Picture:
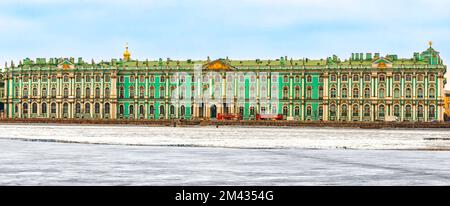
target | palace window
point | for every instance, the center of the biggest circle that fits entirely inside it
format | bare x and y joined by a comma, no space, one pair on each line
141,110
274,78
408,78
308,111
132,79
131,110
162,79
285,111
65,108
344,93
344,111
366,110
320,110
121,110
77,78
131,92
308,92
53,92
285,92
297,78
25,108
355,93
408,111
152,110
381,78
381,111
252,79
53,108
161,110
397,110
35,79
408,93
333,77
320,92
367,92
107,108
77,92
141,92
152,78
97,92
25,93
107,78
107,92
142,79
172,110
333,92
420,93
309,79
355,110
367,77
77,108
432,78
152,92
420,111
66,92
344,78
25,79
66,78
252,111
97,108
397,78
355,78
87,78
43,79
35,92
34,108
396,93
333,110
87,108
121,92
285,79
88,93
162,92
321,79
121,79
381,93
431,111
97,78
297,111
297,92
419,77
44,108
431,93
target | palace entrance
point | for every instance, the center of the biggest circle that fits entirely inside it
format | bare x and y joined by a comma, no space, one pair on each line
213,111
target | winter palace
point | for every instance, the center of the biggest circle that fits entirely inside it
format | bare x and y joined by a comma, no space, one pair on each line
364,87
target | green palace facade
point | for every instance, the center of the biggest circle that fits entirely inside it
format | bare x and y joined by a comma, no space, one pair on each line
365,87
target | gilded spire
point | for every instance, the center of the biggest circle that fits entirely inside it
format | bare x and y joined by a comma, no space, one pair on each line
126,54
430,43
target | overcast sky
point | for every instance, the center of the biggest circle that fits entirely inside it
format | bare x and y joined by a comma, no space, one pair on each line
240,29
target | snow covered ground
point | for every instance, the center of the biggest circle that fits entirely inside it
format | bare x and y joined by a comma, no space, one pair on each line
109,155
236,137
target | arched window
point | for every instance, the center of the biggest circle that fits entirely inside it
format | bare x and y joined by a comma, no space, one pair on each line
35,92
366,110
396,93
121,92
162,92
77,108
344,78
97,108
344,93
44,108
44,92
25,108
141,92
25,93
355,110
121,79
355,78
381,78
53,108
131,92
308,111
65,108
66,78
53,92
107,109
78,92
420,111
34,108
408,93
397,110
333,77
152,92
87,108
431,93
431,111
367,92
308,92
172,110
333,92
97,92
332,110
432,78
183,110
88,93
344,111
367,78
121,110
381,93
107,78
285,78
131,110
355,93
419,77
381,111
152,110
252,110
285,92
408,111
88,78
131,79
308,78
66,92
107,92
141,110
161,110
320,110
297,111
97,78
419,93
320,92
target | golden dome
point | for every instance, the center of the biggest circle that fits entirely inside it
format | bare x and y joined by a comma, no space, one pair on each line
126,54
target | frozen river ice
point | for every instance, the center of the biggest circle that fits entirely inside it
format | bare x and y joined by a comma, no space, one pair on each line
220,156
